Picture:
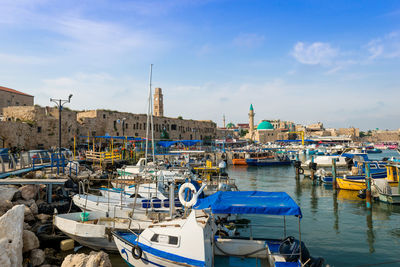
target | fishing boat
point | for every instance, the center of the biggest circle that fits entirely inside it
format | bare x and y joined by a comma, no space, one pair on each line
268,160
350,184
391,175
197,240
386,192
377,173
239,158
93,229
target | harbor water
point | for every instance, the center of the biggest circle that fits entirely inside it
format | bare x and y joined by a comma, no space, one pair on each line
337,227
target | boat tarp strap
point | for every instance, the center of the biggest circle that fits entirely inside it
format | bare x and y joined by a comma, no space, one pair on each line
184,142
250,202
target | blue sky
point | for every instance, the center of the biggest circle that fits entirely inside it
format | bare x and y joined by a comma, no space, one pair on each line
337,62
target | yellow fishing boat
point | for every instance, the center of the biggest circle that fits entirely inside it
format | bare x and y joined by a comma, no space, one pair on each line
350,184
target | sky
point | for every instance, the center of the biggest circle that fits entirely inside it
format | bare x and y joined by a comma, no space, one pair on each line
336,62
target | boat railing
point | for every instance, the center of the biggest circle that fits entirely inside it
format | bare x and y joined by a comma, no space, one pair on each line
250,227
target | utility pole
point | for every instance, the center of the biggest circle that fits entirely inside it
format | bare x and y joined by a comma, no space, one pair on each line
60,103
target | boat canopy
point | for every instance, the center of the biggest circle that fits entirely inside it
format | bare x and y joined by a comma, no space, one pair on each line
352,155
250,202
184,142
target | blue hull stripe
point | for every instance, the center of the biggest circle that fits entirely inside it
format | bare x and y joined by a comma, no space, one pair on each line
159,253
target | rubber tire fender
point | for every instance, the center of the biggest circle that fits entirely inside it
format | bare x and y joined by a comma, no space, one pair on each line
301,170
137,252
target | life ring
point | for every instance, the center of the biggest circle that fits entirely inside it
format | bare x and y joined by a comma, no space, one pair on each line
137,252
181,195
183,164
301,170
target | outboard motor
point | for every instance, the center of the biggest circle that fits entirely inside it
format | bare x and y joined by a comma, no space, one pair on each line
297,164
290,250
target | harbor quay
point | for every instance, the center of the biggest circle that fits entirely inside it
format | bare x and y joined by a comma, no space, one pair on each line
117,188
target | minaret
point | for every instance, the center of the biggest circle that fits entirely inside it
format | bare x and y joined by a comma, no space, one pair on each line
251,119
223,120
158,103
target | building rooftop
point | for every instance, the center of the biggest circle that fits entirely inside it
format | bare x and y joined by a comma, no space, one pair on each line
2,88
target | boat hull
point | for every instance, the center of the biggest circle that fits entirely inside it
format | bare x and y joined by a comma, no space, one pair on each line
239,162
259,162
380,175
347,184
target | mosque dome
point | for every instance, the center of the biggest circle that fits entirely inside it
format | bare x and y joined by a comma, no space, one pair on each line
230,125
265,125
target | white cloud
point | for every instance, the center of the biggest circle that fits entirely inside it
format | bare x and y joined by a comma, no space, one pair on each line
387,46
249,40
314,54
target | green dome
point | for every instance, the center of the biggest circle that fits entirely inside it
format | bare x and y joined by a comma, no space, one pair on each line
265,125
230,125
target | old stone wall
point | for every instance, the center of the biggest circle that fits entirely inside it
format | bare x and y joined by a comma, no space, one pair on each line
37,127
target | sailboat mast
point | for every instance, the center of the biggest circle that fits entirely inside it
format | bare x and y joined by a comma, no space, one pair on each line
149,111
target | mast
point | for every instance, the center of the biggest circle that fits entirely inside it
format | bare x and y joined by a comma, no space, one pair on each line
149,111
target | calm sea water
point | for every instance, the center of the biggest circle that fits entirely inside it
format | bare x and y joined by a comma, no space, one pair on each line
337,227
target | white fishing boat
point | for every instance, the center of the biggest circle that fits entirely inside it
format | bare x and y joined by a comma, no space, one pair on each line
93,229
197,240
385,192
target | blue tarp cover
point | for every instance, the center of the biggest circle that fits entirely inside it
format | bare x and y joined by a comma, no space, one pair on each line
293,141
184,142
129,138
250,202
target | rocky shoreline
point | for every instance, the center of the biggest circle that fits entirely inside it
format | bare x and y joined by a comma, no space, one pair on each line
27,235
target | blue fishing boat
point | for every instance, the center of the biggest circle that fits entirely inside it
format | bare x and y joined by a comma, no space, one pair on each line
199,239
269,161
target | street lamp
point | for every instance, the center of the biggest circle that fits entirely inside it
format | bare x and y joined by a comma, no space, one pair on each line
60,103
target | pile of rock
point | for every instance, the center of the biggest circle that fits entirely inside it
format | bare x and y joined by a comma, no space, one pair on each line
19,245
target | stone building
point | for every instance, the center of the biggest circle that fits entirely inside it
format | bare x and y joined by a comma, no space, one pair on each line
10,97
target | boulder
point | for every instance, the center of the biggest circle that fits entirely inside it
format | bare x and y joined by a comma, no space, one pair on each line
28,215
30,241
29,191
36,257
34,208
4,257
24,202
7,193
52,257
94,259
99,259
11,232
43,217
27,226
5,205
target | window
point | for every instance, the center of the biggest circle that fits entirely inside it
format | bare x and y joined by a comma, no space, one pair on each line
39,129
126,125
173,127
372,166
117,133
104,116
136,134
165,239
381,166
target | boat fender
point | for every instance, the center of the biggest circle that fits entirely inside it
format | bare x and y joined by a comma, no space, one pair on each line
301,170
181,195
136,252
